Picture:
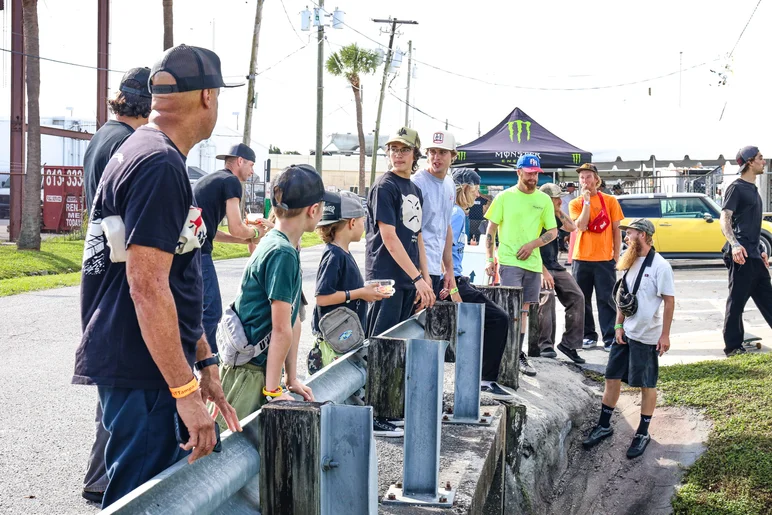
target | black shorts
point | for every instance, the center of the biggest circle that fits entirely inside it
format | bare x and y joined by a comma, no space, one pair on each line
636,364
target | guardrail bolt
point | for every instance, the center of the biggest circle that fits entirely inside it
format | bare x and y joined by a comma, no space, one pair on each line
482,421
450,411
447,485
487,414
443,498
392,497
445,417
399,484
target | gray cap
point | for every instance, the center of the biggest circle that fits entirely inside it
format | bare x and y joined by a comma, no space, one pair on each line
640,224
343,206
553,190
744,155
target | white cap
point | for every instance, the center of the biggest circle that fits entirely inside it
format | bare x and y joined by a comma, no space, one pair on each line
443,139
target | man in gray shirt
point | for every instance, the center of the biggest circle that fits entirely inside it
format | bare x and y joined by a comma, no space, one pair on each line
439,193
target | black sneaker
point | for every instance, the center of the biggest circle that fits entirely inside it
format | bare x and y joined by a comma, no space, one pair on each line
638,446
549,352
571,353
736,352
525,366
496,391
597,434
95,497
385,428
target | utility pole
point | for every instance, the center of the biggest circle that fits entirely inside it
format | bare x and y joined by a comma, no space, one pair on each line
680,70
394,22
252,71
319,86
478,129
446,124
409,73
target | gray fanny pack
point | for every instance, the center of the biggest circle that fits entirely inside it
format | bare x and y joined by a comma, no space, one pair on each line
342,330
233,347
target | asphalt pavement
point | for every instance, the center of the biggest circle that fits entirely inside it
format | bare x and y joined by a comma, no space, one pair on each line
49,424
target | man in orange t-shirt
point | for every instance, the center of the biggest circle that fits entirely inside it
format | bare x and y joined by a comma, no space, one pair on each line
596,252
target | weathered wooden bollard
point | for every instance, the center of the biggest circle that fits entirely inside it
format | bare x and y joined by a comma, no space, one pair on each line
441,322
317,459
533,331
510,300
385,386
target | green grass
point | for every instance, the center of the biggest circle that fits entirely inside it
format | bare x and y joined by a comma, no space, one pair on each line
734,476
59,261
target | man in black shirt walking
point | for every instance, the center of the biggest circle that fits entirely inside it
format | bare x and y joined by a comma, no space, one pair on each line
131,107
744,255
218,195
555,277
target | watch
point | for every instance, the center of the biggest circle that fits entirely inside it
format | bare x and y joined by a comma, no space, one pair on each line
586,202
200,365
348,296
418,278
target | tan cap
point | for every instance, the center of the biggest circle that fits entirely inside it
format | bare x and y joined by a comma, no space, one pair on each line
407,136
444,140
553,190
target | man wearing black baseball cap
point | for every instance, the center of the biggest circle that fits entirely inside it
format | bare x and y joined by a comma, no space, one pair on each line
744,254
131,107
141,293
218,195
268,303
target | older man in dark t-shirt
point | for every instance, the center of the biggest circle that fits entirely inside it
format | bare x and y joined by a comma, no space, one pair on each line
218,195
141,291
744,254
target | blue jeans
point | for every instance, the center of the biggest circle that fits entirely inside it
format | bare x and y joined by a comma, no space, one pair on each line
142,442
212,300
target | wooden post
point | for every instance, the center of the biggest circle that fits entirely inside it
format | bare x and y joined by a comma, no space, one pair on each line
533,330
290,444
385,387
441,322
509,298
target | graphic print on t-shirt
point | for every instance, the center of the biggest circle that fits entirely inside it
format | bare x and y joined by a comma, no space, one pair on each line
411,212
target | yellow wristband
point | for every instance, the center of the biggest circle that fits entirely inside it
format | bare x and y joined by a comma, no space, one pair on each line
275,393
454,291
185,390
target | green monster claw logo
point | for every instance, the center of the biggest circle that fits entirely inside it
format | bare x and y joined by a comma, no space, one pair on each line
462,155
511,126
577,158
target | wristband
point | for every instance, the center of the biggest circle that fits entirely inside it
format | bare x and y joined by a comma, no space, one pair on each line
257,234
586,203
200,365
348,296
418,278
273,393
491,260
619,326
185,390
454,291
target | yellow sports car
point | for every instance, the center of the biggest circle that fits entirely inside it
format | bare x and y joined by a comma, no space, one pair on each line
687,224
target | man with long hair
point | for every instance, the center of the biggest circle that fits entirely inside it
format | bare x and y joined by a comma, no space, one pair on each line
642,332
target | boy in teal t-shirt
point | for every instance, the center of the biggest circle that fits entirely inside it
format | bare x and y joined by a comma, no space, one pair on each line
518,216
269,301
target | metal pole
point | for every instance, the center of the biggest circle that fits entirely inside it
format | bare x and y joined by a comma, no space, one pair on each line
18,103
680,70
252,70
380,104
409,73
319,87
103,59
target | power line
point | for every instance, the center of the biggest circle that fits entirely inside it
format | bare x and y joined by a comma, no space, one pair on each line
290,22
392,93
743,31
61,62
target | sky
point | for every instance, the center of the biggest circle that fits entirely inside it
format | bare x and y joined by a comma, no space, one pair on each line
475,62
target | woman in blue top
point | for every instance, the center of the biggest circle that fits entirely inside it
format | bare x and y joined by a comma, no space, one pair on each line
496,319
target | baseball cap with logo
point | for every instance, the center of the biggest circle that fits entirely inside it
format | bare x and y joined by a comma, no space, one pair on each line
529,163
587,166
135,81
406,136
444,140
744,155
640,224
193,68
301,186
346,205
239,150
553,190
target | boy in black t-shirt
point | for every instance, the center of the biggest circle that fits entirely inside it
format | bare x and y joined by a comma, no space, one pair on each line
395,247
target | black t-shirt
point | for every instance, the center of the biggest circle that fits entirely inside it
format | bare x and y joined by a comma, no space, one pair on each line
212,192
395,201
100,149
338,271
146,187
549,252
743,200
476,211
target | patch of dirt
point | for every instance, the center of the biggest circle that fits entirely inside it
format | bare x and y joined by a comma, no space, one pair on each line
603,481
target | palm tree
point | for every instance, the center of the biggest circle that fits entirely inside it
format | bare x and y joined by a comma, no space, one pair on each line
351,61
168,24
29,236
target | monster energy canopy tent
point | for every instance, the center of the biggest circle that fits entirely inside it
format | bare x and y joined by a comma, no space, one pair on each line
516,135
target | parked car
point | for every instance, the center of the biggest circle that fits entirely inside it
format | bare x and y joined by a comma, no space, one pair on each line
687,224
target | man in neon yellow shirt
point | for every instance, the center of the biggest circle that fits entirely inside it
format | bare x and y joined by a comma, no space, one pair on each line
518,215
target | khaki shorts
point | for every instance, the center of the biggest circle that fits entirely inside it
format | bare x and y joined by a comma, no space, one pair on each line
243,387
